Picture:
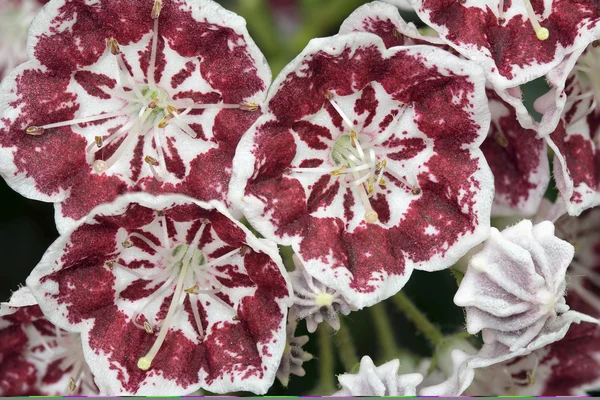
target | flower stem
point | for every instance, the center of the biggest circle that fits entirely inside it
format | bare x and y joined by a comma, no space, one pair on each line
411,311
347,351
326,385
387,345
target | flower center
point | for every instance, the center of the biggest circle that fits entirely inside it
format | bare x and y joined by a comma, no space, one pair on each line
188,272
324,299
147,108
359,164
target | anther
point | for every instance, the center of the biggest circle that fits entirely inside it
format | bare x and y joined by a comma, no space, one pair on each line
153,103
371,216
100,166
339,171
156,9
248,106
380,164
165,121
540,32
596,43
501,139
382,181
127,244
192,290
34,130
113,46
370,187
160,213
328,95
98,140
150,160
244,250
148,327
397,34
416,191
172,110
354,137
110,265
72,385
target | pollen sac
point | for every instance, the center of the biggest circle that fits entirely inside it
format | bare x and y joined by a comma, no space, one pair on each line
314,301
514,288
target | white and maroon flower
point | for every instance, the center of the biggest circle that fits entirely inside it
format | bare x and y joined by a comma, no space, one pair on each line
367,163
314,301
170,295
15,19
514,292
125,96
385,21
518,161
515,41
36,357
576,140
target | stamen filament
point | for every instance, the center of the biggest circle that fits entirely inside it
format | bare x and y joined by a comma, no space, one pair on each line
77,121
152,67
341,113
145,362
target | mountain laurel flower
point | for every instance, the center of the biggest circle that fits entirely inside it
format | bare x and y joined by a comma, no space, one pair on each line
36,357
121,96
15,19
293,354
515,41
367,162
514,292
378,381
315,302
170,295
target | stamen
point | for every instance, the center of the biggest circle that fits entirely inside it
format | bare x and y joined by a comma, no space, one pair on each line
72,385
165,121
126,244
155,14
152,163
156,9
38,130
113,46
148,327
340,112
248,106
540,32
500,138
98,140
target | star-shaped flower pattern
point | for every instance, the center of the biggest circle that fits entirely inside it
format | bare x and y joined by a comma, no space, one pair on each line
169,295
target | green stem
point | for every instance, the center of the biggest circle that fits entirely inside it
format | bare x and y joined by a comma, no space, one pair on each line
326,385
347,351
385,336
418,318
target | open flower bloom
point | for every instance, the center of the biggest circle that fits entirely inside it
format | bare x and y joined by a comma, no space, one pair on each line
170,295
378,381
316,302
515,41
15,19
367,163
36,357
518,161
385,21
576,140
142,95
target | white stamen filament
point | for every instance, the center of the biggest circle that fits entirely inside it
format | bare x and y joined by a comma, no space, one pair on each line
540,32
341,113
152,66
85,119
197,318
204,106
